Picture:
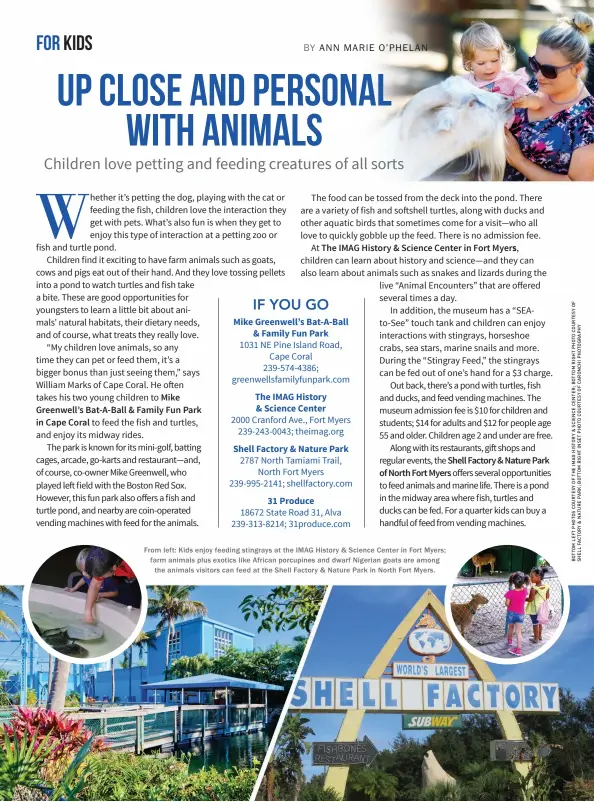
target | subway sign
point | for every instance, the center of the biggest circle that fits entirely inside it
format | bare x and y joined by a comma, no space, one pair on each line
333,694
424,722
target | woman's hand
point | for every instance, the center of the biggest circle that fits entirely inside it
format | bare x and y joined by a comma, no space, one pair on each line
513,152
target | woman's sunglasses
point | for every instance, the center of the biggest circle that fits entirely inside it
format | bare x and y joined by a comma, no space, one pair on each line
546,70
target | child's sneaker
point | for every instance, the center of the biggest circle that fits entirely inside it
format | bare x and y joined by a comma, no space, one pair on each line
517,652
510,643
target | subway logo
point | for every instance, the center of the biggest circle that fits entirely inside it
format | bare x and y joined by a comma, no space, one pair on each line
431,722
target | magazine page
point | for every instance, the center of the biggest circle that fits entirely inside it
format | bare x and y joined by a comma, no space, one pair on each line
295,329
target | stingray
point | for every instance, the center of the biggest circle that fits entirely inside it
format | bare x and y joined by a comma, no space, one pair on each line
58,639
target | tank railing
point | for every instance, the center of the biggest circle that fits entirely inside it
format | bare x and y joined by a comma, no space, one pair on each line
155,726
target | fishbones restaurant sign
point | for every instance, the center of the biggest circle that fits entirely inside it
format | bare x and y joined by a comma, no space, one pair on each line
327,694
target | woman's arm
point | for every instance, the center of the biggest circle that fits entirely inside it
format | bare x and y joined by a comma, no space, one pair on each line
581,167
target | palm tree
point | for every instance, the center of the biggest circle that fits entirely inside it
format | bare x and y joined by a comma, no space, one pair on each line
6,621
171,603
142,640
56,699
375,784
113,681
290,750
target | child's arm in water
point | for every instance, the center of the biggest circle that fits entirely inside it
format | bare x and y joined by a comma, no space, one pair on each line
92,595
78,585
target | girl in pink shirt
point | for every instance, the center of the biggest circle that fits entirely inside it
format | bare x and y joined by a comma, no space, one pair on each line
483,56
515,601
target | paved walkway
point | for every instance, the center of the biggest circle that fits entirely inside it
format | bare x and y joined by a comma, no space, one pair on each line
499,648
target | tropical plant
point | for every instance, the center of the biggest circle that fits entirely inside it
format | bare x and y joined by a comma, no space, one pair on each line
56,699
20,763
314,791
72,699
537,783
285,607
64,737
5,620
287,763
172,602
442,791
4,697
118,776
375,784
277,664
31,697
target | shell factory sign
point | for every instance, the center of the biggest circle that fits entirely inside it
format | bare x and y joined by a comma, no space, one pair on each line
425,686
335,694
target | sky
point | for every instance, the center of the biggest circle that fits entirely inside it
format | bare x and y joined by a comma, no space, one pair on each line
222,604
357,621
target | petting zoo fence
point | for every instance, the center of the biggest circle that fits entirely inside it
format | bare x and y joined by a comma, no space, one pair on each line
488,625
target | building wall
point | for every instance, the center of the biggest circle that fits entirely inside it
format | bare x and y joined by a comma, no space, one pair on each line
196,636
103,684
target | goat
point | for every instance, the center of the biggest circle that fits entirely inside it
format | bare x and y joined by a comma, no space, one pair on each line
465,612
451,131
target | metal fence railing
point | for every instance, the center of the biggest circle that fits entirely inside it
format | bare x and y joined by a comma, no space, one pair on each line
488,625
140,728
159,725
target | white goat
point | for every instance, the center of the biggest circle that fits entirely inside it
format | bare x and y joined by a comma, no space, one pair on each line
451,131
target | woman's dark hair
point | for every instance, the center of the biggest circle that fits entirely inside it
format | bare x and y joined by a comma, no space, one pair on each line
518,580
539,571
101,561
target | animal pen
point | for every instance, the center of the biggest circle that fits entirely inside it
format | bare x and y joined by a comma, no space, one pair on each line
488,624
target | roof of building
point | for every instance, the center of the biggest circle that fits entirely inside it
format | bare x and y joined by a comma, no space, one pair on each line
208,620
211,681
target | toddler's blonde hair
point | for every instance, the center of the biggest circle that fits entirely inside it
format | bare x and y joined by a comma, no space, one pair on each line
482,36
81,559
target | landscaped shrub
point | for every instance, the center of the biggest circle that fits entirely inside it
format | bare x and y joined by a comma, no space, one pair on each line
117,776
65,737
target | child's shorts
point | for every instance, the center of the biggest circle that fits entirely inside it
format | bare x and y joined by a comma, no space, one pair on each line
514,618
534,618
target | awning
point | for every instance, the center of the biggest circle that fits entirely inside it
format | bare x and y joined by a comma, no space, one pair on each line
208,682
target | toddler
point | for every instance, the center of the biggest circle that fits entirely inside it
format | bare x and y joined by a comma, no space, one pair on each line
483,56
515,599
